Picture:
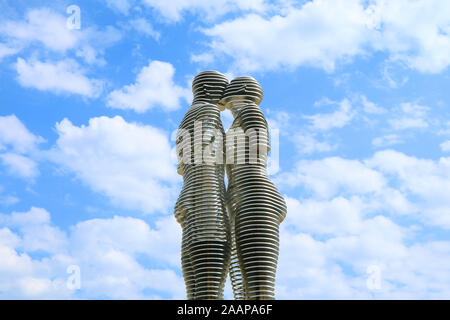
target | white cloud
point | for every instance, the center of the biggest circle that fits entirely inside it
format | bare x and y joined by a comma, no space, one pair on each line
17,143
93,43
43,26
300,37
370,107
8,238
128,162
13,263
173,10
8,200
337,216
37,287
19,165
35,216
389,182
64,76
123,6
337,119
314,33
415,32
154,86
335,266
410,116
330,176
145,27
425,179
14,134
308,144
107,251
387,140
204,58
445,146
349,223
392,76
6,51
129,235
36,230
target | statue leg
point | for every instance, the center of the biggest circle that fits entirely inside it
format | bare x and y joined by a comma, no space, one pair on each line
210,260
257,243
237,281
188,270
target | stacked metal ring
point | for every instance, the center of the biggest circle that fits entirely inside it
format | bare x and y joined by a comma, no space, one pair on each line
237,280
200,208
256,207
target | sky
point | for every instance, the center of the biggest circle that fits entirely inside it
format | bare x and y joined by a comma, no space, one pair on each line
357,97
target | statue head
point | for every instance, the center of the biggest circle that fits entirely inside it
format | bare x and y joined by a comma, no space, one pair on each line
208,86
241,88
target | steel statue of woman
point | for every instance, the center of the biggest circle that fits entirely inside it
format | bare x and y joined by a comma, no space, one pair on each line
256,208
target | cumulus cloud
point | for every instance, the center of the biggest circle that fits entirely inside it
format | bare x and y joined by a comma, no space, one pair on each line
154,86
106,251
330,176
14,134
36,230
336,119
109,250
129,163
415,32
19,165
426,180
21,235
338,267
64,76
44,26
346,225
17,143
410,116
336,216
389,182
300,37
316,34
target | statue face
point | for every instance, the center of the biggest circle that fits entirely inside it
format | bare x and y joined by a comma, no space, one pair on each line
209,86
242,88
212,91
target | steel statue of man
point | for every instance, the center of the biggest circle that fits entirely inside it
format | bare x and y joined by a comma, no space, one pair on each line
200,208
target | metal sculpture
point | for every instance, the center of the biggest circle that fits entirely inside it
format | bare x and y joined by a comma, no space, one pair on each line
200,208
246,241
255,206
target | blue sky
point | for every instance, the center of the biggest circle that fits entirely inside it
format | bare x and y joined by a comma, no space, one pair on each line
358,91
